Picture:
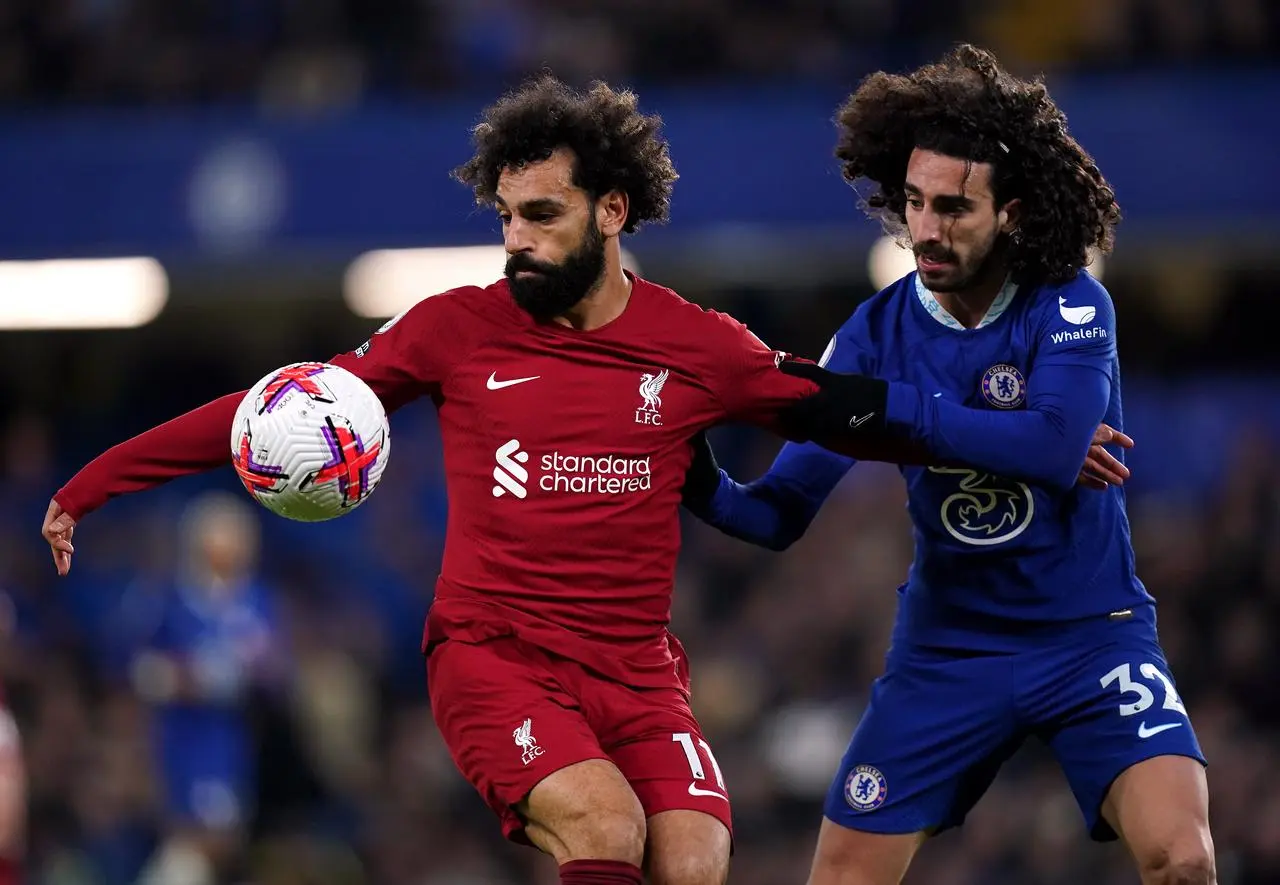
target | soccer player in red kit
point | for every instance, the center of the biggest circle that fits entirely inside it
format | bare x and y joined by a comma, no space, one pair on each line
567,394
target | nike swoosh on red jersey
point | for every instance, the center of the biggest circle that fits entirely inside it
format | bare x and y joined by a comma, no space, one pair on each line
494,384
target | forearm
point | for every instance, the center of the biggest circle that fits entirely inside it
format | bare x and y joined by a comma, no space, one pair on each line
740,512
775,510
881,447
197,441
1045,443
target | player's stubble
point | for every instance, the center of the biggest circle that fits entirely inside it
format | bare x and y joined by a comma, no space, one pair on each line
550,290
966,271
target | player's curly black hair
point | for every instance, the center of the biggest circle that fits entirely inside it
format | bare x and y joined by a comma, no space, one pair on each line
616,146
966,106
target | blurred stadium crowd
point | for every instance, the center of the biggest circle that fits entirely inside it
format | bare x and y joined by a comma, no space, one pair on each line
295,746
308,53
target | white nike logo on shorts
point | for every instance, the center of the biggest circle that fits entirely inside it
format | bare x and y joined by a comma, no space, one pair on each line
695,790
1144,732
494,384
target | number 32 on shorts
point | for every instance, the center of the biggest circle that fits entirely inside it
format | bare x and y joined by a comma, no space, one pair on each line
686,742
1144,697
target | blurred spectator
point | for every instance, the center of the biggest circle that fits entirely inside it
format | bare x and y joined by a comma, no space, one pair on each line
214,643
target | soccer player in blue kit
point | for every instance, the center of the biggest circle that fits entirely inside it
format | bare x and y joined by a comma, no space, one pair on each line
995,361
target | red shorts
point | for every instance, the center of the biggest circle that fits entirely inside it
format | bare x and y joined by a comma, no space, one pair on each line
512,714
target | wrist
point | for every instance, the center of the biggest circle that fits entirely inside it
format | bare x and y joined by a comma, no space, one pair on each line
903,405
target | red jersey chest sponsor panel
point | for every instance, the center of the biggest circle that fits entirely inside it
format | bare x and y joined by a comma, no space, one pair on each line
565,455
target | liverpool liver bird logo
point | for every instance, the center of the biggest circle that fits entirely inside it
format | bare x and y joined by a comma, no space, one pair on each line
651,392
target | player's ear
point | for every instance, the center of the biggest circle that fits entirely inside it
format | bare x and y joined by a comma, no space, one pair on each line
611,213
1009,215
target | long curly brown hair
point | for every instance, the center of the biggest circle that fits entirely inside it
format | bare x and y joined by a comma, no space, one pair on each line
966,106
615,146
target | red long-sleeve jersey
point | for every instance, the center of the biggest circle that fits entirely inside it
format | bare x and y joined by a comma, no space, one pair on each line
564,454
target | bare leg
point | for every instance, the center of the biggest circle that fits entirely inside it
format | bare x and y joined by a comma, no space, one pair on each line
586,811
854,857
1160,808
687,848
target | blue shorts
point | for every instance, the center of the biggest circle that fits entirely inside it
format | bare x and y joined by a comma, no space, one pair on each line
208,780
941,722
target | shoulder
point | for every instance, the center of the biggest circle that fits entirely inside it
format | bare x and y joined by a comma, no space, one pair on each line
1072,319
667,304
1079,301
466,305
862,329
889,301
448,321
695,324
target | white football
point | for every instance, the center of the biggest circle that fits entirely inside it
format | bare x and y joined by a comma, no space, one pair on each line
310,441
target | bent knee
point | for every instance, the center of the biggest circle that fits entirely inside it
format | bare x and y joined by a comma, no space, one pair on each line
1188,864
585,812
613,834
598,834
584,833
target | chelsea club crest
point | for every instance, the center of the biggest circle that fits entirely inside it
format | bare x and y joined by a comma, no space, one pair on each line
865,789
1004,387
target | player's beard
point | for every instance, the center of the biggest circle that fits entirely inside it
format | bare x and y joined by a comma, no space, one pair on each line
963,275
553,289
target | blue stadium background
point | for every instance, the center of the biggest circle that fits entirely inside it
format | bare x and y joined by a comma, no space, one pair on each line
256,147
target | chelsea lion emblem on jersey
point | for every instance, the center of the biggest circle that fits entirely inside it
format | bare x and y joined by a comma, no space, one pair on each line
865,789
1004,387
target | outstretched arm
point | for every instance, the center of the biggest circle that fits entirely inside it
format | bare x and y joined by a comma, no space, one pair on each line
1046,443
1056,442
1068,392
196,441
397,367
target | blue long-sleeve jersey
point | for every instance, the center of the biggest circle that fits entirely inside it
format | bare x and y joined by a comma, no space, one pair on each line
1007,542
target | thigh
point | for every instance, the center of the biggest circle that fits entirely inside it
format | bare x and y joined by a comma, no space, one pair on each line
852,857
585,811
1106,705
934,734
1160,808
657,744
507,720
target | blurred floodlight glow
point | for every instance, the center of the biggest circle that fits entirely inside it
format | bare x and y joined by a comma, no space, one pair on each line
887,262
385,282
81,293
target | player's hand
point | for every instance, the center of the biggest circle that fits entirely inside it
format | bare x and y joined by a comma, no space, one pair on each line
703,477
1101,468
844,404
58,529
